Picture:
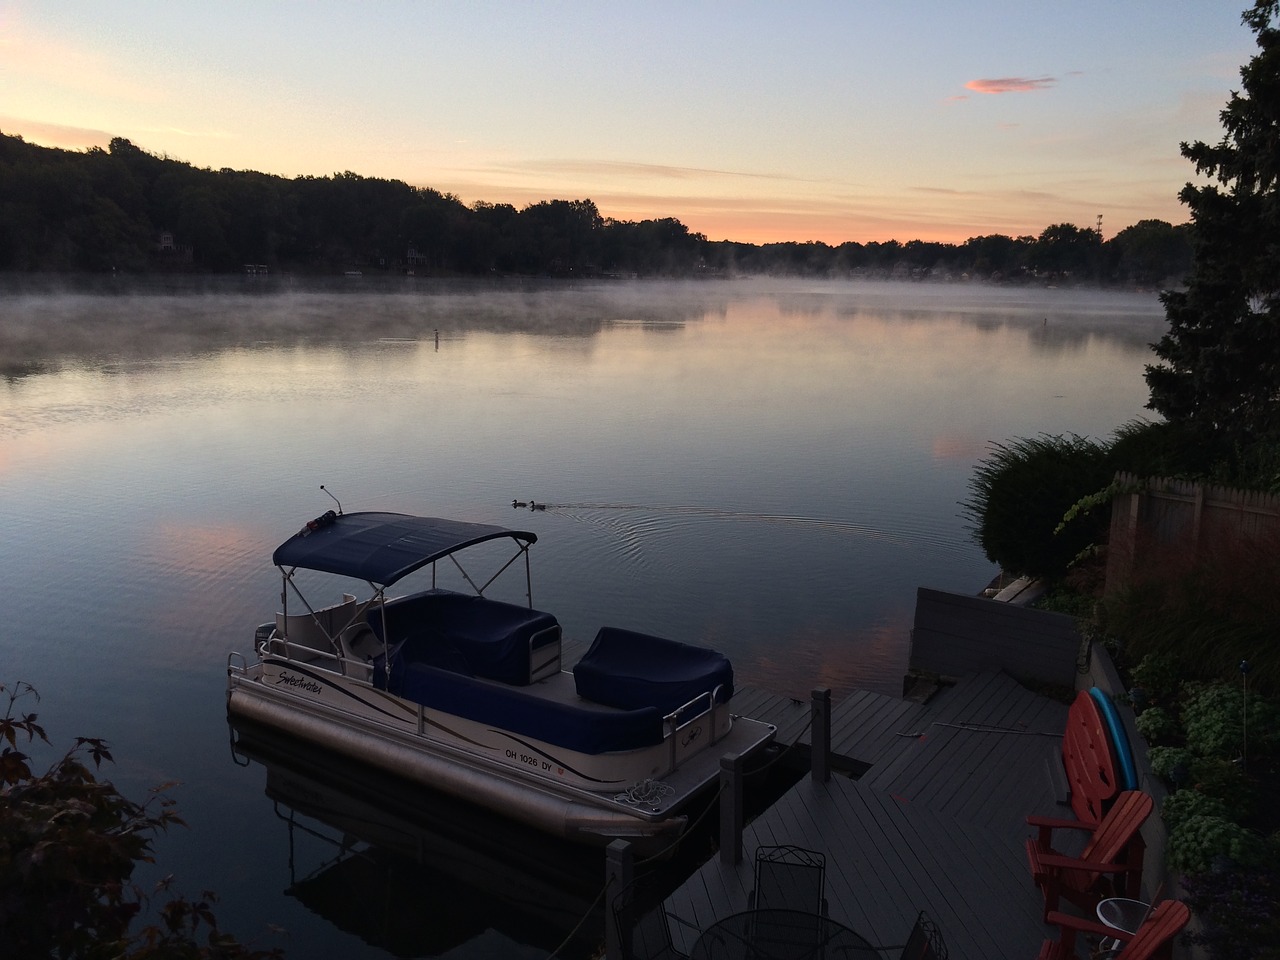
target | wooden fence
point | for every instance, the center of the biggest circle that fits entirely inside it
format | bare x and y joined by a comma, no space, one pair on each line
1159,514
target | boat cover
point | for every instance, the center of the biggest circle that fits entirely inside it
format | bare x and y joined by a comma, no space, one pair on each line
383,547
627,670
467,634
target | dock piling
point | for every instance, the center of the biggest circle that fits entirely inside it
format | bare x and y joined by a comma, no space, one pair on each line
820,755
619,871
731,807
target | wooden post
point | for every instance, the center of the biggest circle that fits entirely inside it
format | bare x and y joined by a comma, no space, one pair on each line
1123,547
619,871
820,738
1197,517
731,809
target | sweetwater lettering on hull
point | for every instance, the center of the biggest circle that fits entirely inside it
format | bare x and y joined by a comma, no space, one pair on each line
469,696
301,682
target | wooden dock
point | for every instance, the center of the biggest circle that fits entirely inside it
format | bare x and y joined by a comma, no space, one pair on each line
934,822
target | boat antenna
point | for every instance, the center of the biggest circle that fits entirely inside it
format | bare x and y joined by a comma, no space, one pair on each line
334,499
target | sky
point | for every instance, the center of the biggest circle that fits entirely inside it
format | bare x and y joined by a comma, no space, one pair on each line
859,120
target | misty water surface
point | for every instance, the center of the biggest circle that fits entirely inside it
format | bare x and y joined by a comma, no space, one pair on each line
771,468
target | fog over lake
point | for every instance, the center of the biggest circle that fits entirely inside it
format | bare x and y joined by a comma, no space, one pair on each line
769,467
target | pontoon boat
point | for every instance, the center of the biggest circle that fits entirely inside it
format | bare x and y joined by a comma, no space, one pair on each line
468,694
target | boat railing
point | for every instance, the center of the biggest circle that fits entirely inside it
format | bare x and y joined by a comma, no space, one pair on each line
292,650
673,723
318,629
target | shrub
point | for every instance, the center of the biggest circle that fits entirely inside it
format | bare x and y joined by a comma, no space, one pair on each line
1154,448
1171,764
1201,842
1157,725
1206,609
68,846
1215,722
1228,782
1159,676
1022,491
1181,804
1238,912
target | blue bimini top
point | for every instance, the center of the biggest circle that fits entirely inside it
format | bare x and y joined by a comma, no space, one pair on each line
383,547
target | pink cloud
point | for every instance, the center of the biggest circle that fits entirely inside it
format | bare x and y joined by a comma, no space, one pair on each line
1010,84
55,134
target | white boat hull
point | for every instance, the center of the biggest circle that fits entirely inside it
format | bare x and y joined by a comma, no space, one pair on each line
579,798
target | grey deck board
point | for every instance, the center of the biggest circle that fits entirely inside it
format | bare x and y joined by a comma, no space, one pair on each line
865,726
937,822
885,861
789,715
983,755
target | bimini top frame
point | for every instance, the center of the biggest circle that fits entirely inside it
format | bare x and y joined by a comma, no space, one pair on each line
381,548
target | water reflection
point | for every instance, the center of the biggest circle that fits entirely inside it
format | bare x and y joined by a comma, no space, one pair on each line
415,874
68,321
770,468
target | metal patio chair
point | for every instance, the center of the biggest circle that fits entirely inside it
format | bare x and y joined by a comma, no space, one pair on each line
925,941
789,878
644,930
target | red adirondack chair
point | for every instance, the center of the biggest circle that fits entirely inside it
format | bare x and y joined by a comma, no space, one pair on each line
1088,760
1152,941
1110,864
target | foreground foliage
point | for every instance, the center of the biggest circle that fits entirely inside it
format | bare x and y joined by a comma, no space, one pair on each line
69,843
1217,747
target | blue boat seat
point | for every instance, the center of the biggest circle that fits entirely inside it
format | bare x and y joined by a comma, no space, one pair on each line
471,635
628,670
584,727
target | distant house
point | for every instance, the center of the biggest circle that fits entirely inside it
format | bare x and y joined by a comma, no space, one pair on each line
168,248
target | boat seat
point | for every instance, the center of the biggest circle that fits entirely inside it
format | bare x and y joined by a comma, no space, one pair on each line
316,631
473,635
628,670
584,727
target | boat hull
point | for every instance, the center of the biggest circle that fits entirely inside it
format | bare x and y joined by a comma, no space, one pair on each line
514,778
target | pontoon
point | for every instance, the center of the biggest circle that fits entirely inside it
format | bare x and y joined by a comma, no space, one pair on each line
469,695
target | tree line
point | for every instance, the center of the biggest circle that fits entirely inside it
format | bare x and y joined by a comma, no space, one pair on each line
123,209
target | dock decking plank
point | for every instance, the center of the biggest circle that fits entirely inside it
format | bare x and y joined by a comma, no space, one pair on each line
885,861
937,823
789,715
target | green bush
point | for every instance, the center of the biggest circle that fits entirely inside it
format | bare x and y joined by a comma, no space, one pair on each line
1022,491
1227,781
1160,677
1215,724
1157,725
1201,842
1171,764
1182,804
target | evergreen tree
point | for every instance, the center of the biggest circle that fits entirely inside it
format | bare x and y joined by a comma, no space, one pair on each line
1220,369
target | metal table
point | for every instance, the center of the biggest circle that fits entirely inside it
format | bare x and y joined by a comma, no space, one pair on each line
780,935
1121,913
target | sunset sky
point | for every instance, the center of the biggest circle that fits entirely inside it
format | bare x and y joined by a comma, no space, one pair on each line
756,122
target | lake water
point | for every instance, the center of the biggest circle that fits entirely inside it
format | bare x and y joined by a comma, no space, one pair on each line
768,467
